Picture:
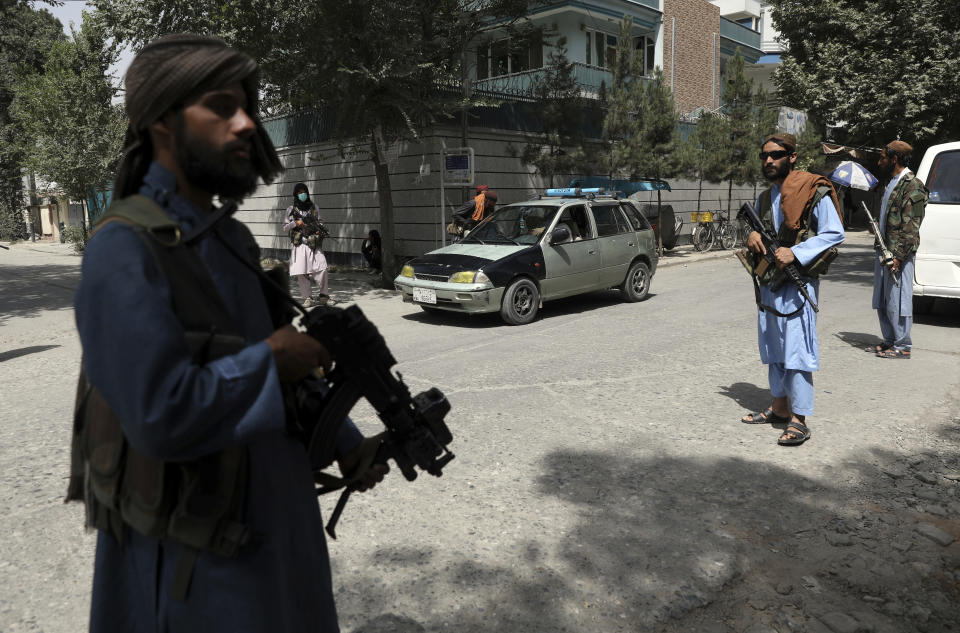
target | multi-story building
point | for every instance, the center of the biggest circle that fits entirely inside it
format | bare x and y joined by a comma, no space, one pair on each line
691,40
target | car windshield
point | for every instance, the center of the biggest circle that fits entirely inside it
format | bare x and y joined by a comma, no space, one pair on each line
515,224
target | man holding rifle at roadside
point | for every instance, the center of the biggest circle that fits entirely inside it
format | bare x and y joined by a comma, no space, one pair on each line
901,212
800,212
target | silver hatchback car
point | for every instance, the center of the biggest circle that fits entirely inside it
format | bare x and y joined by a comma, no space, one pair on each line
564,243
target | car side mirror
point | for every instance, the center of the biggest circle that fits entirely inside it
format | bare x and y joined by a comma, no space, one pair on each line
560,234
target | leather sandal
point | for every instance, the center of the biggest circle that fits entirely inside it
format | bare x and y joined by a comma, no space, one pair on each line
894,353
767,416
876,349
800,432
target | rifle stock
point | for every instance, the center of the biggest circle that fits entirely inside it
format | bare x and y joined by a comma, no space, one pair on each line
771,244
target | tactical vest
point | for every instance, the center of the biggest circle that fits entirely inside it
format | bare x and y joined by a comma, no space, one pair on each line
198,503
770,275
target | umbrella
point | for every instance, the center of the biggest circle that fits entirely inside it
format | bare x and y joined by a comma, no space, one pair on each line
852,174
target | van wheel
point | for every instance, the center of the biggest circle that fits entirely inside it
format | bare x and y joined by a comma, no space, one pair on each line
923,305
521,300
636,286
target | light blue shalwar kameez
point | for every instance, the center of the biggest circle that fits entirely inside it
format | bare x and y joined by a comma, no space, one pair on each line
788,345
894,304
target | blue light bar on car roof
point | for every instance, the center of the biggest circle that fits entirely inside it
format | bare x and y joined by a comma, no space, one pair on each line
574,192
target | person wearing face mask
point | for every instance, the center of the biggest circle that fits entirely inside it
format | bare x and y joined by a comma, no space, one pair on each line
307,262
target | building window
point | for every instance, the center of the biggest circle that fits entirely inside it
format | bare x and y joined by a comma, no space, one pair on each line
505,57
750,23
602,50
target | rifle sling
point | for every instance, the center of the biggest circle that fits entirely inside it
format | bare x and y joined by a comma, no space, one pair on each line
765,308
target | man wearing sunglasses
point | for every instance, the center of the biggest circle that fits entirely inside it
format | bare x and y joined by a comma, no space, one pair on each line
901,212
801,209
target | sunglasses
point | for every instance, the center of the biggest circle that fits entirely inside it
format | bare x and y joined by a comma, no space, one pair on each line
775,155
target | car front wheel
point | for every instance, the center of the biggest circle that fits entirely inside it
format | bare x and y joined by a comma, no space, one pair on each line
637,283
521,300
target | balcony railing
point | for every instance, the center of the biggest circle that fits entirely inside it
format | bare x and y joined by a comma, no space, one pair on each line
521,84
739,34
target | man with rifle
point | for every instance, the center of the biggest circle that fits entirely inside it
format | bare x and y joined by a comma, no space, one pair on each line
799,227
901,213
184,451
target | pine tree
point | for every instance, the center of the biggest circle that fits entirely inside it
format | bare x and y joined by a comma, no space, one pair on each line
740,122
702,155
557,149
656,155
623,121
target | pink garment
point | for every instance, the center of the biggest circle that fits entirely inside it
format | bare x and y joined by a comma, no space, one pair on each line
304,261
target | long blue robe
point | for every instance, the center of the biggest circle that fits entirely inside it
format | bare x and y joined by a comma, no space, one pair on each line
792,341
135,353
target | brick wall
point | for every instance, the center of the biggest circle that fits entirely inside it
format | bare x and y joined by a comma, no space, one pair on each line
696,23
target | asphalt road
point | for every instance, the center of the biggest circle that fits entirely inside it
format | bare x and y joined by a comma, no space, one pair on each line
602,479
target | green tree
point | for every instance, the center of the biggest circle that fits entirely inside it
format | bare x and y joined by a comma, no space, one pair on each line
72,133
26,35
656,154
881,68
702,156
741,128
623,120
384,70
810,156
556,149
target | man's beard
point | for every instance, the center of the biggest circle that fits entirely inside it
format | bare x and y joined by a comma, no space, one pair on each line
885,171
778,173
216,171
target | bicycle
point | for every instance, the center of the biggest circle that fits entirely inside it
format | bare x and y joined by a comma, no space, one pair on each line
703,233
712,226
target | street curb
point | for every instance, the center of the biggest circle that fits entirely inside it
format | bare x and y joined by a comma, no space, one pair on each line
675,258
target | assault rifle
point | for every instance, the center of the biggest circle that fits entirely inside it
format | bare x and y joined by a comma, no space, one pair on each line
311,223
883,253
416,435
771,244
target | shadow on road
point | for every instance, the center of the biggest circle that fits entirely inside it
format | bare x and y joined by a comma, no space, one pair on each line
666,544
747,395
578,304
28,291
24,351
859,339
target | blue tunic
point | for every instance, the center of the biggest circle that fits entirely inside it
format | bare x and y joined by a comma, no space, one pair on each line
792,341
135,353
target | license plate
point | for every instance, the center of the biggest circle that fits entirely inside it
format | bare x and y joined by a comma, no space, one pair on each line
424,295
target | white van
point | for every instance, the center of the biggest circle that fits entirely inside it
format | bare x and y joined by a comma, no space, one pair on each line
937,272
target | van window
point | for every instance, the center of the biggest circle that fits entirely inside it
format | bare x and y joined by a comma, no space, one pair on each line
943,183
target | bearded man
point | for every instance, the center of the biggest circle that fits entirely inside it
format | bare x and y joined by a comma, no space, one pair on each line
204,501
901,213
801,209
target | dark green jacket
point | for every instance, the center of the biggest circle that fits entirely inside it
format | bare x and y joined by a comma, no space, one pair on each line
905,210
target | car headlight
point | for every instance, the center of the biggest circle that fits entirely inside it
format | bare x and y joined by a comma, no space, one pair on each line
469,277
463,277
407,271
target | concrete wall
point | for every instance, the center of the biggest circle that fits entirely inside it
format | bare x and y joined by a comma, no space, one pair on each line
697,25
344,189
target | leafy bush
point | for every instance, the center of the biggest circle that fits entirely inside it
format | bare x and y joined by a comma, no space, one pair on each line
77,236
